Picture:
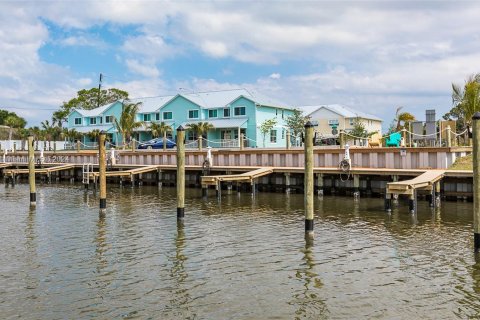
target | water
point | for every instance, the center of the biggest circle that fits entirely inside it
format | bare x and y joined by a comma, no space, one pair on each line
244,258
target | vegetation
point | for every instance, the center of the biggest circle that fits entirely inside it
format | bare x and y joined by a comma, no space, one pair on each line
466,101
266,126
127,122
159,129
463,163
200,129
296,123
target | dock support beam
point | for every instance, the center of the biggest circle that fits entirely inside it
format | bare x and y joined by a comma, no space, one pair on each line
204,191
31,172
476,181
308,180
159,178
412,202
388,202
180,173
287,182
102,172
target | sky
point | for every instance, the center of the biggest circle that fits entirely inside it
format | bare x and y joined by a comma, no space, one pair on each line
373,56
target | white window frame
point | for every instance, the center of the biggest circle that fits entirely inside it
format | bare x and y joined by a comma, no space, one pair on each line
333,122
273,136
157,116
75,121
216,110
163,115
93,120
147,115
198,114
108,117
229,113
239,107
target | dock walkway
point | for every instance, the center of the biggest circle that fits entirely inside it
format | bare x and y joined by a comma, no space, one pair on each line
249,176
425,181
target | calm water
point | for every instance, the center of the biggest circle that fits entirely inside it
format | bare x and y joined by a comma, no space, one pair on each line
243,258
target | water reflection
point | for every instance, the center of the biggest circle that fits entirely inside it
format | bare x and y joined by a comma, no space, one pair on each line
307,300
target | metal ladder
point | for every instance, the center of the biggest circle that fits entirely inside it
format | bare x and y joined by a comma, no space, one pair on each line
87,170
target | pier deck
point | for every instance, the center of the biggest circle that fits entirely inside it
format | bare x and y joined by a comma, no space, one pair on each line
47,171
425,181
242,177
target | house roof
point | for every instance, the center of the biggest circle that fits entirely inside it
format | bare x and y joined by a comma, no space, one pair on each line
209,99
221,123
342,110
94,112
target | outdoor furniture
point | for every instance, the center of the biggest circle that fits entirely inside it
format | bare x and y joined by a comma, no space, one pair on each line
393,140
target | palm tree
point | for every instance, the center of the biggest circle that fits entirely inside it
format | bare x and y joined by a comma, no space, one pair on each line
159,129
404,119
127,122
467,100
201,129
35,131
48,132
13,123
93,134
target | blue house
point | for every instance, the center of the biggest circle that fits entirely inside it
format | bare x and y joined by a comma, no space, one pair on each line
231,112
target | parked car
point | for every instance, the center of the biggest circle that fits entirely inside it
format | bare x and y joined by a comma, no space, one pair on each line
156,143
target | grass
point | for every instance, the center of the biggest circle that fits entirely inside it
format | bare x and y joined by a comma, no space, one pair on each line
463,163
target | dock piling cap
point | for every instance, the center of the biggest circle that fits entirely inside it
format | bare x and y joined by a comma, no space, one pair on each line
476,116
308,124
180,128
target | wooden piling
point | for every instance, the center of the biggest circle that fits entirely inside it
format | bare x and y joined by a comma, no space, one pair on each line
288,138
388,202
449,137
412,202
200,143
320,184
241,141
342,139
308,179
476,181
180,172
356,186
102,165
31,171
287,182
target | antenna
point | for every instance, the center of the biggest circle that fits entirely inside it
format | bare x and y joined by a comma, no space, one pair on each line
99,89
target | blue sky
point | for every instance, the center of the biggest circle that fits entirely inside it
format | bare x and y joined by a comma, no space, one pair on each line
370,55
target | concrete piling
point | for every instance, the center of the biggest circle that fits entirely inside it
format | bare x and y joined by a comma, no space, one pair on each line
180,172
476,181
31,172
102,167
308,180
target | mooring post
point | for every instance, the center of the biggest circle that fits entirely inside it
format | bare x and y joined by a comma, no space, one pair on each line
342,139
102,168
159,178
200,142
78,145
241,141
31,172
476,181
438,195
180,173
218,190
320,184
287,182
412,202
288,138
433,197
308,180
449,137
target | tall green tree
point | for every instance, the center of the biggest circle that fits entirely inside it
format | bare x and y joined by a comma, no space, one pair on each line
128,122
14,123
266,126
296,123
403,120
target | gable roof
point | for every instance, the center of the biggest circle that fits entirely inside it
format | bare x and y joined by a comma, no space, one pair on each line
342,110
93,112
208,99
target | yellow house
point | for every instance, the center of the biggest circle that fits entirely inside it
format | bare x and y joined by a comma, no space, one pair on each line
340,117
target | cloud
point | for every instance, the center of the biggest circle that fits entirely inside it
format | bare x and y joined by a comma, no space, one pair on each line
275,76
146,70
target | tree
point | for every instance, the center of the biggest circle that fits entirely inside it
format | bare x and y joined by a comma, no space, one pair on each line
93,134
47,132
296,123
4,114
89,99
200,129
466,101
14,122
403,120
359,130
159,129
266,126
127,122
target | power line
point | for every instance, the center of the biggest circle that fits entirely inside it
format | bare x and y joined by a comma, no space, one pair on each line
21,108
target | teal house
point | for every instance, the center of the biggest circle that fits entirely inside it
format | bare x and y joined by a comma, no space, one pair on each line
230,112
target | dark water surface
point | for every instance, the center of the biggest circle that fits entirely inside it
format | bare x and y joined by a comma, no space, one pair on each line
243,258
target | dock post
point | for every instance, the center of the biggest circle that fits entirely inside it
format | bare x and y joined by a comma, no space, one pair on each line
356,186
320,184
229,187
218,190
437,192
288,138
476,181
180,173
31,171
254,187
287,182
342,139
412,202
388,202
204,191
200,142
433,196
240,142
14,147
78,145
159,178
102,168
308,180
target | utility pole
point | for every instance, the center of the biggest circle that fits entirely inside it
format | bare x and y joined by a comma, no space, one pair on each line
99,89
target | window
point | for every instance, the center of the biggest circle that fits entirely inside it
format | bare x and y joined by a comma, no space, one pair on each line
157,116
282,113
239,111
146,117
273,136
191,135
333,122
226,112
78,121
93,120
193,114
167,115
351,121
212,113
108,119
101,120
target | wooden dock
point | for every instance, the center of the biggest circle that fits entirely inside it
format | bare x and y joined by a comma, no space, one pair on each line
48,170
425,181
248,176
